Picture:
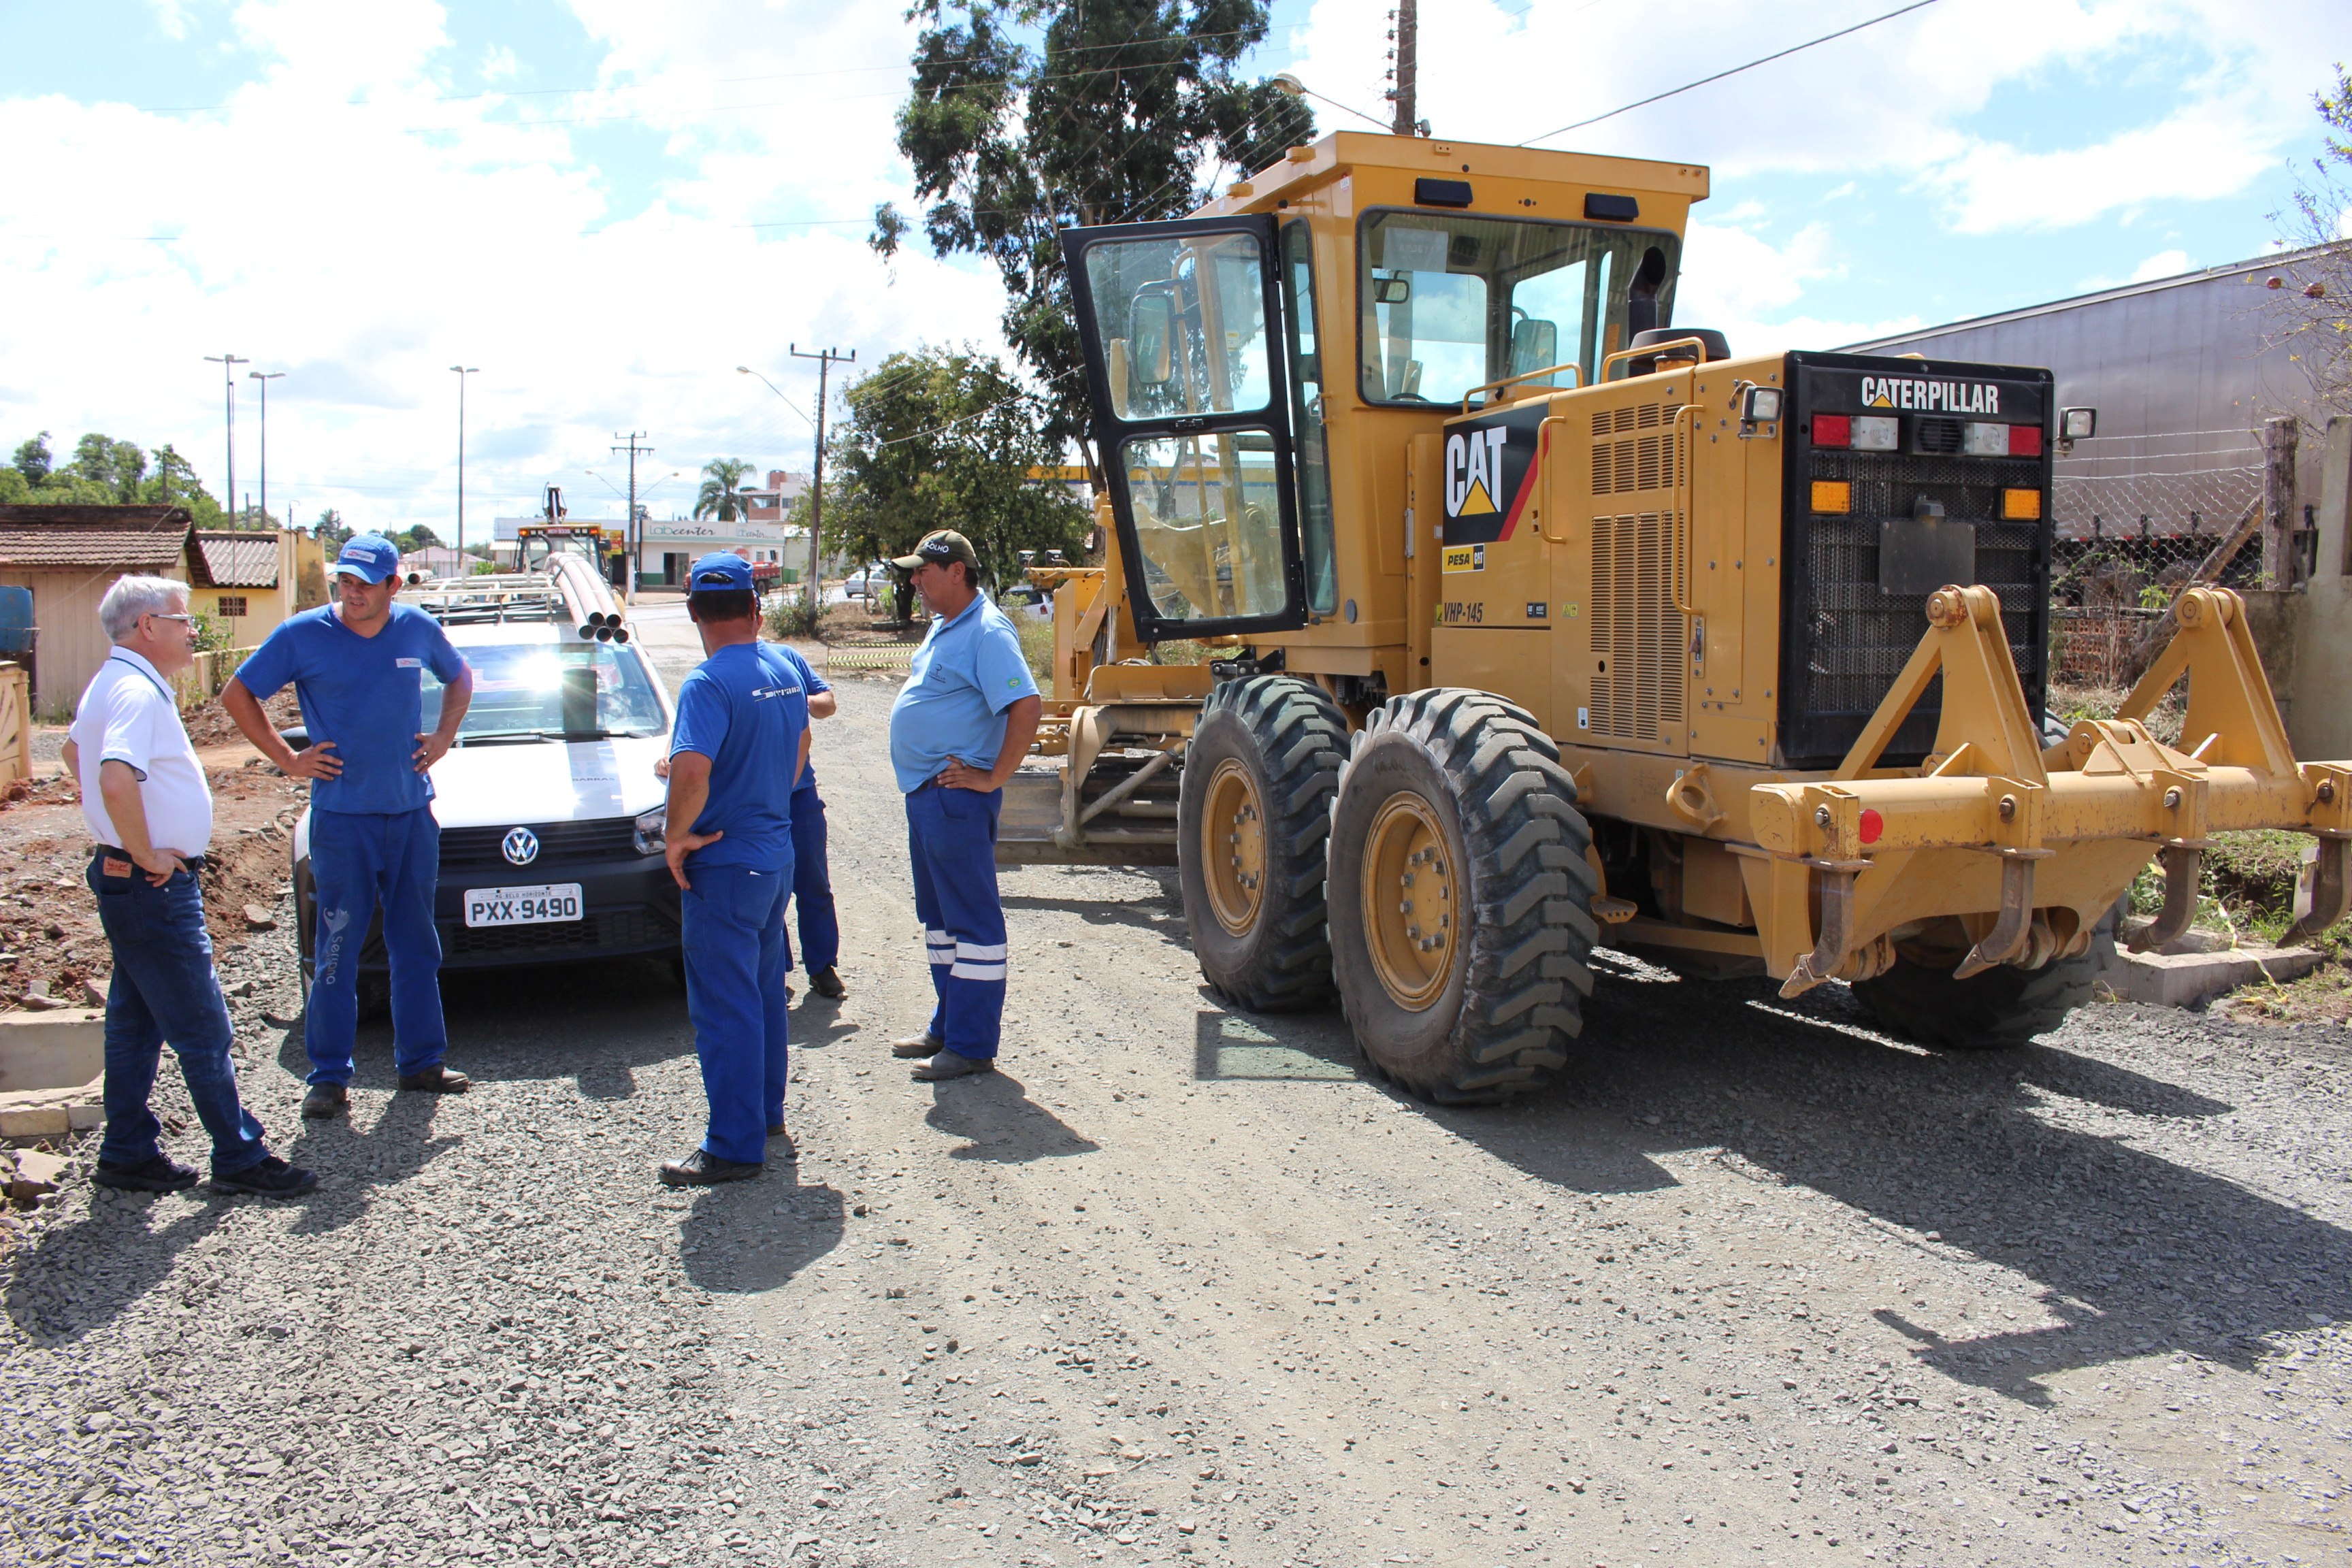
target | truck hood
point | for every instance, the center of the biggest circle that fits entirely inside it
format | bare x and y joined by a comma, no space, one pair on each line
546,781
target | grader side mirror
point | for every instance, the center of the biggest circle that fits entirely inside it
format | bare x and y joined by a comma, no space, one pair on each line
1151,332
1535,343
1391,291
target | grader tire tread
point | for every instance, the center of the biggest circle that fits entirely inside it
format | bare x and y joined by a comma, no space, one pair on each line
1531,947
2002,1009
1302,737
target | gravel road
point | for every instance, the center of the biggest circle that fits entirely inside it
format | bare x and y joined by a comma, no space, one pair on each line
1752,1284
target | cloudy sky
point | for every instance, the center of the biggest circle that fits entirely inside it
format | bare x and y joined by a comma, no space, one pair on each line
608,205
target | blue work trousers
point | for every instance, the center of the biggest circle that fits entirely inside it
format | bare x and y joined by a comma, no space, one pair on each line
812,886
735,964
952,842
361,861
165,989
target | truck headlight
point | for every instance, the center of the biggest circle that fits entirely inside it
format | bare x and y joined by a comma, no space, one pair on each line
651,825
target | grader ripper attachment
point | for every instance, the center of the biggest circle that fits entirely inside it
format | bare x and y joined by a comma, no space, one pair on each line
1531,614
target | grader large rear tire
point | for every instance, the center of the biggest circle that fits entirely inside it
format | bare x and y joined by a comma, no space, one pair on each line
1461,918
1253,814
1997,1010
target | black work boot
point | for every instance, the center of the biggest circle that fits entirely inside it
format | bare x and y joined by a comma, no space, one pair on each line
826,983
325,1100
438,1081
160,1174
704,1169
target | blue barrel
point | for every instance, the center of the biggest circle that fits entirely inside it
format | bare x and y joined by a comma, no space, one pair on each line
16,621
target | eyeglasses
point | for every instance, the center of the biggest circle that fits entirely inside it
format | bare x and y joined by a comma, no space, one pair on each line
184,620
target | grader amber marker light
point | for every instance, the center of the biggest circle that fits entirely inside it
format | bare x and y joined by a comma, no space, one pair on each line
1531,612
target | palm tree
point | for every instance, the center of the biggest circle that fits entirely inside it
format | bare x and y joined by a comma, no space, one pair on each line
724,495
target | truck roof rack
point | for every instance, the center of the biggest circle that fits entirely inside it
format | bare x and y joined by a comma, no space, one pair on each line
566,590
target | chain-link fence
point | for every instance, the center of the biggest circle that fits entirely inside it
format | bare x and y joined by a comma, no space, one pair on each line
2137,519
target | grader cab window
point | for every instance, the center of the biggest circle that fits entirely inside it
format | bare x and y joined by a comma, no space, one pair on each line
1450,303
1180,320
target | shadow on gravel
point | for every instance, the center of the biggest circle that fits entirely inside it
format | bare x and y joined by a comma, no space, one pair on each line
998,1121
81,1274
2134,1254
816,1023
748,1236
1161,914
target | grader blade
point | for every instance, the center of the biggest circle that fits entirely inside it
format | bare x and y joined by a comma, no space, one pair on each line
1113,800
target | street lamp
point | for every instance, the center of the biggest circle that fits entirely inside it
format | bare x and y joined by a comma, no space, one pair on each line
463,371
264,377
229,363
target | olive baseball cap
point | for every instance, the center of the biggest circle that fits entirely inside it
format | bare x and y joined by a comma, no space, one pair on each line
938,548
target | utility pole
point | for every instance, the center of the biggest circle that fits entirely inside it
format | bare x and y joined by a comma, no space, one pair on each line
824,362
1406,69
634,541
264,377
229,363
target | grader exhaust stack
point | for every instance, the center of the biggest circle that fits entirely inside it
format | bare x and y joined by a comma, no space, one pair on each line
1532,617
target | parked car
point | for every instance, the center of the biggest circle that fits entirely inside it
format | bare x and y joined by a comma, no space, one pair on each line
550,815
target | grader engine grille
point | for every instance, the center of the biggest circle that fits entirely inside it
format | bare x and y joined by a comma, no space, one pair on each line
1637,633
1846,632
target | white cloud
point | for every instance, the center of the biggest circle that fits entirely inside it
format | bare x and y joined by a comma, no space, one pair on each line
340,221
2163,264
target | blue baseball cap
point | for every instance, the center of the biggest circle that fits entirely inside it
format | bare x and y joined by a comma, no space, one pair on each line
717,572
370,557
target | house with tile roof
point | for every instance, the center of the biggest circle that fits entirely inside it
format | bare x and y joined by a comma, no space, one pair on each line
258,580
68,556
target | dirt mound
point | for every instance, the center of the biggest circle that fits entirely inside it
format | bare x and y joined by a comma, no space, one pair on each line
209,723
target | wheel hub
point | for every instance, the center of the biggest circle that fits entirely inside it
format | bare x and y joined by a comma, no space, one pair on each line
1412,900
1233,847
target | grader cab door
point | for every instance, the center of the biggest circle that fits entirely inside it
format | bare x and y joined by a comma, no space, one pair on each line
1181,326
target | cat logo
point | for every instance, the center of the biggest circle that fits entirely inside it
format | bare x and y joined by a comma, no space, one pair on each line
1473,472
1930,397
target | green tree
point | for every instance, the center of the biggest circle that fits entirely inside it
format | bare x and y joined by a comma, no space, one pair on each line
117,466
724,495
174,483
1108,120
945,438
331,530
32,461
420,537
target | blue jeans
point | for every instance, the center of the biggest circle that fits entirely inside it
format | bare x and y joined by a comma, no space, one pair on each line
812,886
734,931
951,841
360,860
165,989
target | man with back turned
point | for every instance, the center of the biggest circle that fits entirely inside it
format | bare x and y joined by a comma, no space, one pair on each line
739,744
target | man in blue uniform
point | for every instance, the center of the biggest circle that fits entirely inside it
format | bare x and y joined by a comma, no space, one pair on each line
738,745
962,725
811,878
358,667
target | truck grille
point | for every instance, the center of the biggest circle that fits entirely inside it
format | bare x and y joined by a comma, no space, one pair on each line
604,839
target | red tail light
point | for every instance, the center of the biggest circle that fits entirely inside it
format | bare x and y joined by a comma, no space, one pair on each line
2025,440
1832,430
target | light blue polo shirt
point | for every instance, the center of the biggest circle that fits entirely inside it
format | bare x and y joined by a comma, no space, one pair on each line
967,673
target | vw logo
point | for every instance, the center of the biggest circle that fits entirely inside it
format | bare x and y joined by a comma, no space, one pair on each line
520,847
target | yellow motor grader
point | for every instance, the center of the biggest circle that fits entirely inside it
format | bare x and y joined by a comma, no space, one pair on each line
1531,615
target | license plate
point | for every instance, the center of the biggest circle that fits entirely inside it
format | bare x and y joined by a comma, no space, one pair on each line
523,905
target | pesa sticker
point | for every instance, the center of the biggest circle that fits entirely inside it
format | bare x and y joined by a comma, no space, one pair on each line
1465,558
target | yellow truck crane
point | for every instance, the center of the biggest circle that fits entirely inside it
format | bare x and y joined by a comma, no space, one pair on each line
1534,616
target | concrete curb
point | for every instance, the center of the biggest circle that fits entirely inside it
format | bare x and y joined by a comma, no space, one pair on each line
2176,979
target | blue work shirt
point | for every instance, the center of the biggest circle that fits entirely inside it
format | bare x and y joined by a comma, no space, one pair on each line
745,708
365,694
969,670
814,683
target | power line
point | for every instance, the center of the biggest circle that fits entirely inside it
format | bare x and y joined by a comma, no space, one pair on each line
1734,71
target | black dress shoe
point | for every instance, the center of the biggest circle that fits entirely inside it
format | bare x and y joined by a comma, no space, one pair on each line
704,1169
826,982
160,1174
325,1100
273,1178
438,1081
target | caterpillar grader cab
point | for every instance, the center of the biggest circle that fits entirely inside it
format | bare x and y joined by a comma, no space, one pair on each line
1534,621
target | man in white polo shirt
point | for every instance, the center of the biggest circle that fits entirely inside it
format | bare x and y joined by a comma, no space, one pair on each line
144,796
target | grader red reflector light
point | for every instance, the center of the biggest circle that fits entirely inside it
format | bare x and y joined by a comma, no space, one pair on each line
1832,430
1872,825
2025,440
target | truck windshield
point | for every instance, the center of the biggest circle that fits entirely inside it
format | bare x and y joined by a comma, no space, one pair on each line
1449,303
553,692
537,548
